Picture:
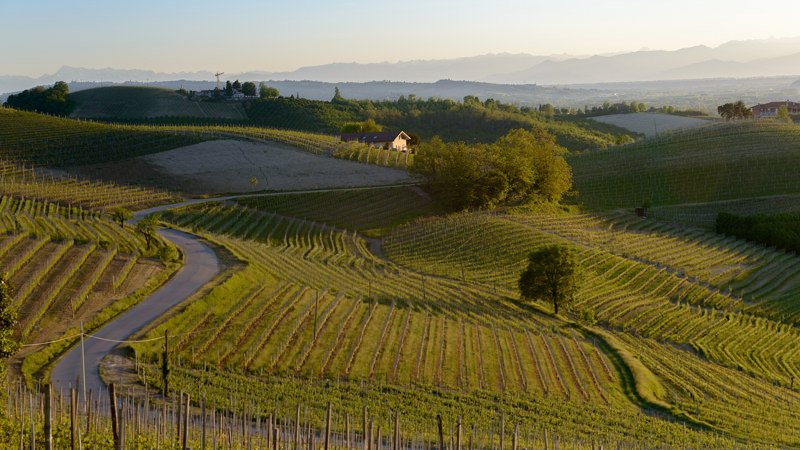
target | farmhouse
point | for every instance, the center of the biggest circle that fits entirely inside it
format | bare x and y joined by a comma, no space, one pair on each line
770,109
394,140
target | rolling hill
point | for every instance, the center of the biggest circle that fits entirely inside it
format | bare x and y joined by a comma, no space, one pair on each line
132,102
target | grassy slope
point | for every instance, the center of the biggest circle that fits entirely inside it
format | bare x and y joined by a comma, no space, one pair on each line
132,102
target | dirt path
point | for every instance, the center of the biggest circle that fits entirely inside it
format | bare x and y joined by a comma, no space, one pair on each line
201,265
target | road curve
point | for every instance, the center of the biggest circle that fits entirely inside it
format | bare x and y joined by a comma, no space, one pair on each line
201,265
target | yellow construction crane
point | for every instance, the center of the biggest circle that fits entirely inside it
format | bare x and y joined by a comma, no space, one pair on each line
217,75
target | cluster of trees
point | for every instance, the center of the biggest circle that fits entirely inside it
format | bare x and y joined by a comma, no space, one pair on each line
472,120
54,100
780,230
520,167
736,110
247,88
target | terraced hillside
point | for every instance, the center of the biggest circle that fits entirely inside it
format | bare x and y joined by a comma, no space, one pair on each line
68,264
713,163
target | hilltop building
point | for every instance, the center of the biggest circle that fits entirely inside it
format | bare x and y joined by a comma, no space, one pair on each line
394,140
767,110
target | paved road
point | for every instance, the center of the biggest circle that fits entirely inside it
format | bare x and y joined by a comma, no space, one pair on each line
201,265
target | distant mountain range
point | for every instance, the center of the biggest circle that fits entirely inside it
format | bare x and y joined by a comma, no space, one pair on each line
735,59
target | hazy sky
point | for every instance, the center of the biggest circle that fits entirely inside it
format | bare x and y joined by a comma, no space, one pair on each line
40,36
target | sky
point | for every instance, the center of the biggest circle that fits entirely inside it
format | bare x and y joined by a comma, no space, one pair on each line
38,37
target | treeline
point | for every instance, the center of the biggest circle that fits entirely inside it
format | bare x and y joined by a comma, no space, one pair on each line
472,120
521,167
781,231
54,100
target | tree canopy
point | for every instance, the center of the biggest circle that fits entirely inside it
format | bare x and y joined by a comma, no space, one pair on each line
520,167
265,91
552,275
147,227
54,100
366,126
736,110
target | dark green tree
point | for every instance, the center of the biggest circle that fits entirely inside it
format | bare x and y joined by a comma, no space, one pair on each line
54,100
249,88
736,110
236,85
228,89
553,276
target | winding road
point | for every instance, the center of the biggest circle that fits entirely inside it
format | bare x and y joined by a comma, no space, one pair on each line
201,265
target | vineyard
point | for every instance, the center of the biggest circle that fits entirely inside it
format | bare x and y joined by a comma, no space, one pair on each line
731,302
371,298
713,163
67,263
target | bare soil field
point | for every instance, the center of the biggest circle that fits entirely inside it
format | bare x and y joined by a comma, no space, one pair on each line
229,165
651,124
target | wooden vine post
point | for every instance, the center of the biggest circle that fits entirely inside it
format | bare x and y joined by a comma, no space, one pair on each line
441,431
48,416
73,426
112,397
328,426
165,365
185,430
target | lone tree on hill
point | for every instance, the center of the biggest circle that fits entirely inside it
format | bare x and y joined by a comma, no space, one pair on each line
553,275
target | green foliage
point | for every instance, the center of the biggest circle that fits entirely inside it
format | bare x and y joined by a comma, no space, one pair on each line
780,230
121,215
521,167
552,275
147,227
249,89
736,110
366,126
8,318
168,253
54,100
783,114
265,91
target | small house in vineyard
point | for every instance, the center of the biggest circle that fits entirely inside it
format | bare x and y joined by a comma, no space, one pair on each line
390,140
